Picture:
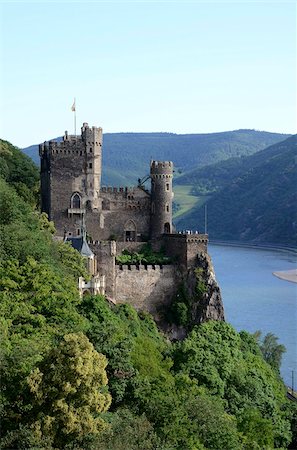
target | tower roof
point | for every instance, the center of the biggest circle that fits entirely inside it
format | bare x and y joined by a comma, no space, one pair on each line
80,244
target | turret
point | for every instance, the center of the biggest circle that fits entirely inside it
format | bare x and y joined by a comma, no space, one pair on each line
161,194
92,139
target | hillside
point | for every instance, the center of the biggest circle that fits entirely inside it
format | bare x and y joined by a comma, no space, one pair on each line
126,156
214,177
19,171
83,373
255,197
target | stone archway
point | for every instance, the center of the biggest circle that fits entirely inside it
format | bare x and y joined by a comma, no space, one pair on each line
167,228
130,231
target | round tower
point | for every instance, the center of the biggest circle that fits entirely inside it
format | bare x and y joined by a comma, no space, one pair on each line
161,197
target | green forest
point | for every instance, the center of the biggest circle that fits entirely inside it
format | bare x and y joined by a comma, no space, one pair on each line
254,196
126,156
84,374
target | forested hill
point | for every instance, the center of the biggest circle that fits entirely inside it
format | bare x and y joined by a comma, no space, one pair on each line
255,197
80,373
126,156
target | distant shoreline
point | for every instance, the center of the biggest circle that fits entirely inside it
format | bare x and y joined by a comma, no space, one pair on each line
260,246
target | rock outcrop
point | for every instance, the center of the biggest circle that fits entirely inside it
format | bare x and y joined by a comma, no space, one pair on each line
204,291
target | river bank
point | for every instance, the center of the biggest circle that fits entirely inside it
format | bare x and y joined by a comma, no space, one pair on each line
287,275
255,245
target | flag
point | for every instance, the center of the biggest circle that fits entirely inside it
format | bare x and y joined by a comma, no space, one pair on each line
73,106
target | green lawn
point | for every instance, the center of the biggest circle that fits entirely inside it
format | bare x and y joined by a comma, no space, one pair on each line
186,200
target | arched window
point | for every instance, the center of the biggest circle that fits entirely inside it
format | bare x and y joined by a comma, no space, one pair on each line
75,201
130,231
167,207
167,228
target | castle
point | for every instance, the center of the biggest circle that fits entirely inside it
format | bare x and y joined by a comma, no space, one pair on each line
115,219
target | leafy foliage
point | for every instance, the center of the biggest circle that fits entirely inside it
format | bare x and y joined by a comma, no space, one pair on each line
272,351
68,390
213,390
145,256
19,171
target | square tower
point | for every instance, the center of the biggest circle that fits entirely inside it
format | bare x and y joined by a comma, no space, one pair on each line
71,177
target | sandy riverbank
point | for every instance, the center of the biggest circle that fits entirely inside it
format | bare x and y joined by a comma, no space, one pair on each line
288,275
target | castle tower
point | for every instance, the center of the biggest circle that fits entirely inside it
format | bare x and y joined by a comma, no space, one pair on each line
92,140
161,197
71,177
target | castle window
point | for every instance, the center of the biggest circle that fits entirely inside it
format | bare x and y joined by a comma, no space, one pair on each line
167,186
78,232
90,165
166,207
130,231
91,150
167,228
75,201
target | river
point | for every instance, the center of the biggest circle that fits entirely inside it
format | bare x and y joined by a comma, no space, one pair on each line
254,299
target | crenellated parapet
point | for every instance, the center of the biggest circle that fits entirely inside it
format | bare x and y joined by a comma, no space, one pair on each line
118,190
161,169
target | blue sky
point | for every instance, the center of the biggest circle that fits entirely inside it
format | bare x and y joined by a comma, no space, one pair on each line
183,67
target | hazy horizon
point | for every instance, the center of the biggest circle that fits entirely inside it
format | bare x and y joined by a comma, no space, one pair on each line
176,67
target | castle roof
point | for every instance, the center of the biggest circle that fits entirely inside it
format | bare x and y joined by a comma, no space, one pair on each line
80,244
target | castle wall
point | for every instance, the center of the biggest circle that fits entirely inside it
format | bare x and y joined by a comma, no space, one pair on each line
125,209
185,247
148,288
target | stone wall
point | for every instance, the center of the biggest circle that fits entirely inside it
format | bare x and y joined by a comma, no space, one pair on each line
184,247
148,288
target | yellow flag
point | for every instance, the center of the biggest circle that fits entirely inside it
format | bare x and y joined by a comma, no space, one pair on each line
73,106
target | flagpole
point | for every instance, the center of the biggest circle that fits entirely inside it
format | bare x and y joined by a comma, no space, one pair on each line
75,117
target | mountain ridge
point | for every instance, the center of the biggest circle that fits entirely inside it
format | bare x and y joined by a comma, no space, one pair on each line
126,156
259,205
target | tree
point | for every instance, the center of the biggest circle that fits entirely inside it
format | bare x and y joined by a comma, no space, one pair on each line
272,351
69,390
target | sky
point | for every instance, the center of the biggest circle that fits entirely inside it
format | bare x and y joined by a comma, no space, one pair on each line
146,66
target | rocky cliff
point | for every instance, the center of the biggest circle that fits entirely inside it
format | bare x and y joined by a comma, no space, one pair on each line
204,291
198,299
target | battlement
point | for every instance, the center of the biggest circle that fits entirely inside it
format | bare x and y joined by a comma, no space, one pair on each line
71,146
185,247
118,190
161,168
141,267
91,135
90,142
188,236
